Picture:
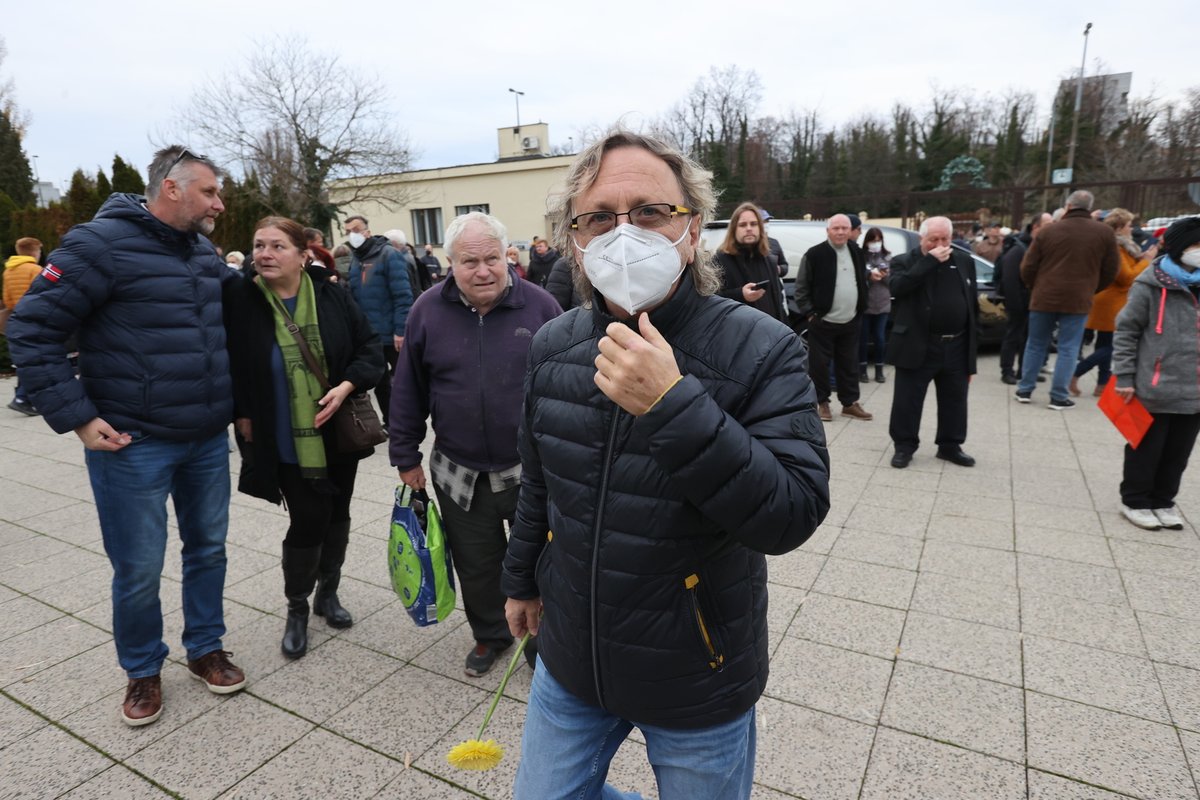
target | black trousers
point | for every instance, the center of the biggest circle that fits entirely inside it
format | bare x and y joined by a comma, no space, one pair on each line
836,341
383,389
1012,348
312,514
478,542
1154,470
945,365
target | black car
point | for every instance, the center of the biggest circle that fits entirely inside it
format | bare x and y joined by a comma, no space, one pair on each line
797,236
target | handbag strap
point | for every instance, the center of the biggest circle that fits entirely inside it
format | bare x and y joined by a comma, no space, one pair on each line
313,365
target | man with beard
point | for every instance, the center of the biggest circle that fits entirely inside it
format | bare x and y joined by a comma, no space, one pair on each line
379,281
748,270
141,286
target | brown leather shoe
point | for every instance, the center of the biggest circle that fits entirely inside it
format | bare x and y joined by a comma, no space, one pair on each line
217,672
824,413
857,412
143,701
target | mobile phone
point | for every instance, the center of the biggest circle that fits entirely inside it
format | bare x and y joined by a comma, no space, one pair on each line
763,284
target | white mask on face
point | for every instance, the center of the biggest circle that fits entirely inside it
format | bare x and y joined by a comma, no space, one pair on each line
1191,259
875,247
356,240
633,268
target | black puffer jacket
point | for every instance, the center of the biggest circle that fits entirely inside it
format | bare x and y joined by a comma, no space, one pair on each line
645,536
352,353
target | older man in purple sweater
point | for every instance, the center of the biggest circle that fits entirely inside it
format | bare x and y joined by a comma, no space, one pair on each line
463,364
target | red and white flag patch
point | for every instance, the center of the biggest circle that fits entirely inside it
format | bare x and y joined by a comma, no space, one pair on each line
51,273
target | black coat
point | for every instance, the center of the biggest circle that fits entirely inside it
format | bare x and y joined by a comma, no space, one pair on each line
912,306
749,267
561,285
1008,274
640,533
352,353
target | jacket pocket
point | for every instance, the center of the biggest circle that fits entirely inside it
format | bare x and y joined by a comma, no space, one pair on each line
710,645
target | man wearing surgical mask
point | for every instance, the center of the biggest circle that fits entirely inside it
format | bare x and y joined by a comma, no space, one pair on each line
379,282
669,441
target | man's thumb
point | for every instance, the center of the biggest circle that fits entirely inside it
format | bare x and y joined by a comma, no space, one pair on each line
649,332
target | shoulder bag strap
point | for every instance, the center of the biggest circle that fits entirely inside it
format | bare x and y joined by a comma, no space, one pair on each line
306,354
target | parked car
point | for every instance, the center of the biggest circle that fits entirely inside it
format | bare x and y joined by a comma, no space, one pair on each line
797,236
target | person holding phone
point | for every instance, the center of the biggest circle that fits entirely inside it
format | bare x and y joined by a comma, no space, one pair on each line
879,304
749,272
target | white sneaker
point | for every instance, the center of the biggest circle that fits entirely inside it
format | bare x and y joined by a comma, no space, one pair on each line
1169,518
1142,517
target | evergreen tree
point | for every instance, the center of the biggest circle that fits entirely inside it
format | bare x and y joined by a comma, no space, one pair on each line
125,178
82,200
16,177
103,187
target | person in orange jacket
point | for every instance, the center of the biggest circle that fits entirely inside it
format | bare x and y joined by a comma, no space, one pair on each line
19,272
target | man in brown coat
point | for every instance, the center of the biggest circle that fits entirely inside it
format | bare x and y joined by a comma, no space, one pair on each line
1064,267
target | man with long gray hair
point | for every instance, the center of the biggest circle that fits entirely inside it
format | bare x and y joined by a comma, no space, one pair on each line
669,441
141,285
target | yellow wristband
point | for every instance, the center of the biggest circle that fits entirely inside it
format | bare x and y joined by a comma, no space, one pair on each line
664,394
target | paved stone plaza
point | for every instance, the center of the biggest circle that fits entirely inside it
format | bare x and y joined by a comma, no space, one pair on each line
996,632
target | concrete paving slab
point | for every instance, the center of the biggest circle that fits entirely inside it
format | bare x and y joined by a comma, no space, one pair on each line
869,583
1092,624
830,679
1095,677
905,767
849,624
957,645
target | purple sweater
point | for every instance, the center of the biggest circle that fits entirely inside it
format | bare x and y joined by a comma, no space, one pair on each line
467,372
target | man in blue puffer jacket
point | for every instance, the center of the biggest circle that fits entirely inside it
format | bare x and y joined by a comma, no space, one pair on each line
379,283
142,287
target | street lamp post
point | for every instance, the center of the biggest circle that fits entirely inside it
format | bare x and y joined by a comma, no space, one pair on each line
1078,102
517,96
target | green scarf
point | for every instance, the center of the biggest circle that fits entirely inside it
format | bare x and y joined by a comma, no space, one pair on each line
304,390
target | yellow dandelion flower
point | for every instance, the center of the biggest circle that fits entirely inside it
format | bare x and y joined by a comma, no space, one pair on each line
477,755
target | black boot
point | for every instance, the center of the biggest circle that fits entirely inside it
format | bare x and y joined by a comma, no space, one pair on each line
329,577
299,576
863,377
879,374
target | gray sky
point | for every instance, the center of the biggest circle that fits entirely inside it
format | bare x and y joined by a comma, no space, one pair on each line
103,78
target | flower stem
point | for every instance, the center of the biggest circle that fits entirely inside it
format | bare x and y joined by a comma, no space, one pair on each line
512,665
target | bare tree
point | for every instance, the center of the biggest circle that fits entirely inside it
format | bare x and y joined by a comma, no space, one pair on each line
297,119
8,99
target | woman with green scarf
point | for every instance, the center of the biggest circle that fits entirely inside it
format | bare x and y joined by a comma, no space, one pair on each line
283,415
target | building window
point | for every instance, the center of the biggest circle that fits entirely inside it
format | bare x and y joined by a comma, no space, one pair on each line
460,210
427,225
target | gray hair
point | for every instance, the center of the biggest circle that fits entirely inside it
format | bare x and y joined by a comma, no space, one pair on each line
395,236
169,160
695,183
495,229
1080,199
929,222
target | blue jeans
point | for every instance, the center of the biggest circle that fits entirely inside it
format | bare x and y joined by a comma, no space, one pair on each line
568,744
1101,358
131,486
1070,335
874,330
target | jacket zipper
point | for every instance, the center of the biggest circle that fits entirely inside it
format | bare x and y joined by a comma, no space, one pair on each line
716,660
482,402
608,457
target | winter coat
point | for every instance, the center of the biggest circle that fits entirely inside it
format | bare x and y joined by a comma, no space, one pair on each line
913,288
816,280
379,282
746,266
466,370
879,293
644,536
19,272
540,266
1109,301
352,353
1156,347
1068,263
145,300
561,285
1007,278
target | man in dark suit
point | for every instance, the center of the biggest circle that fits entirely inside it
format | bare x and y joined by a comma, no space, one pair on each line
832,285
934,312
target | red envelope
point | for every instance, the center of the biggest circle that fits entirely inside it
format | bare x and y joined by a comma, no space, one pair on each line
1132,419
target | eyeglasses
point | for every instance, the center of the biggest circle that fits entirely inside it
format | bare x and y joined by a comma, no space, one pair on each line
650,216
184,153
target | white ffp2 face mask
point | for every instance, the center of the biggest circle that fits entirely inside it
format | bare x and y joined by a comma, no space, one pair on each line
632,267
1191,258
875,247
356,240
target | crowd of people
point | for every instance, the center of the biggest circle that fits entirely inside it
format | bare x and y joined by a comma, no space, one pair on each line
623,429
